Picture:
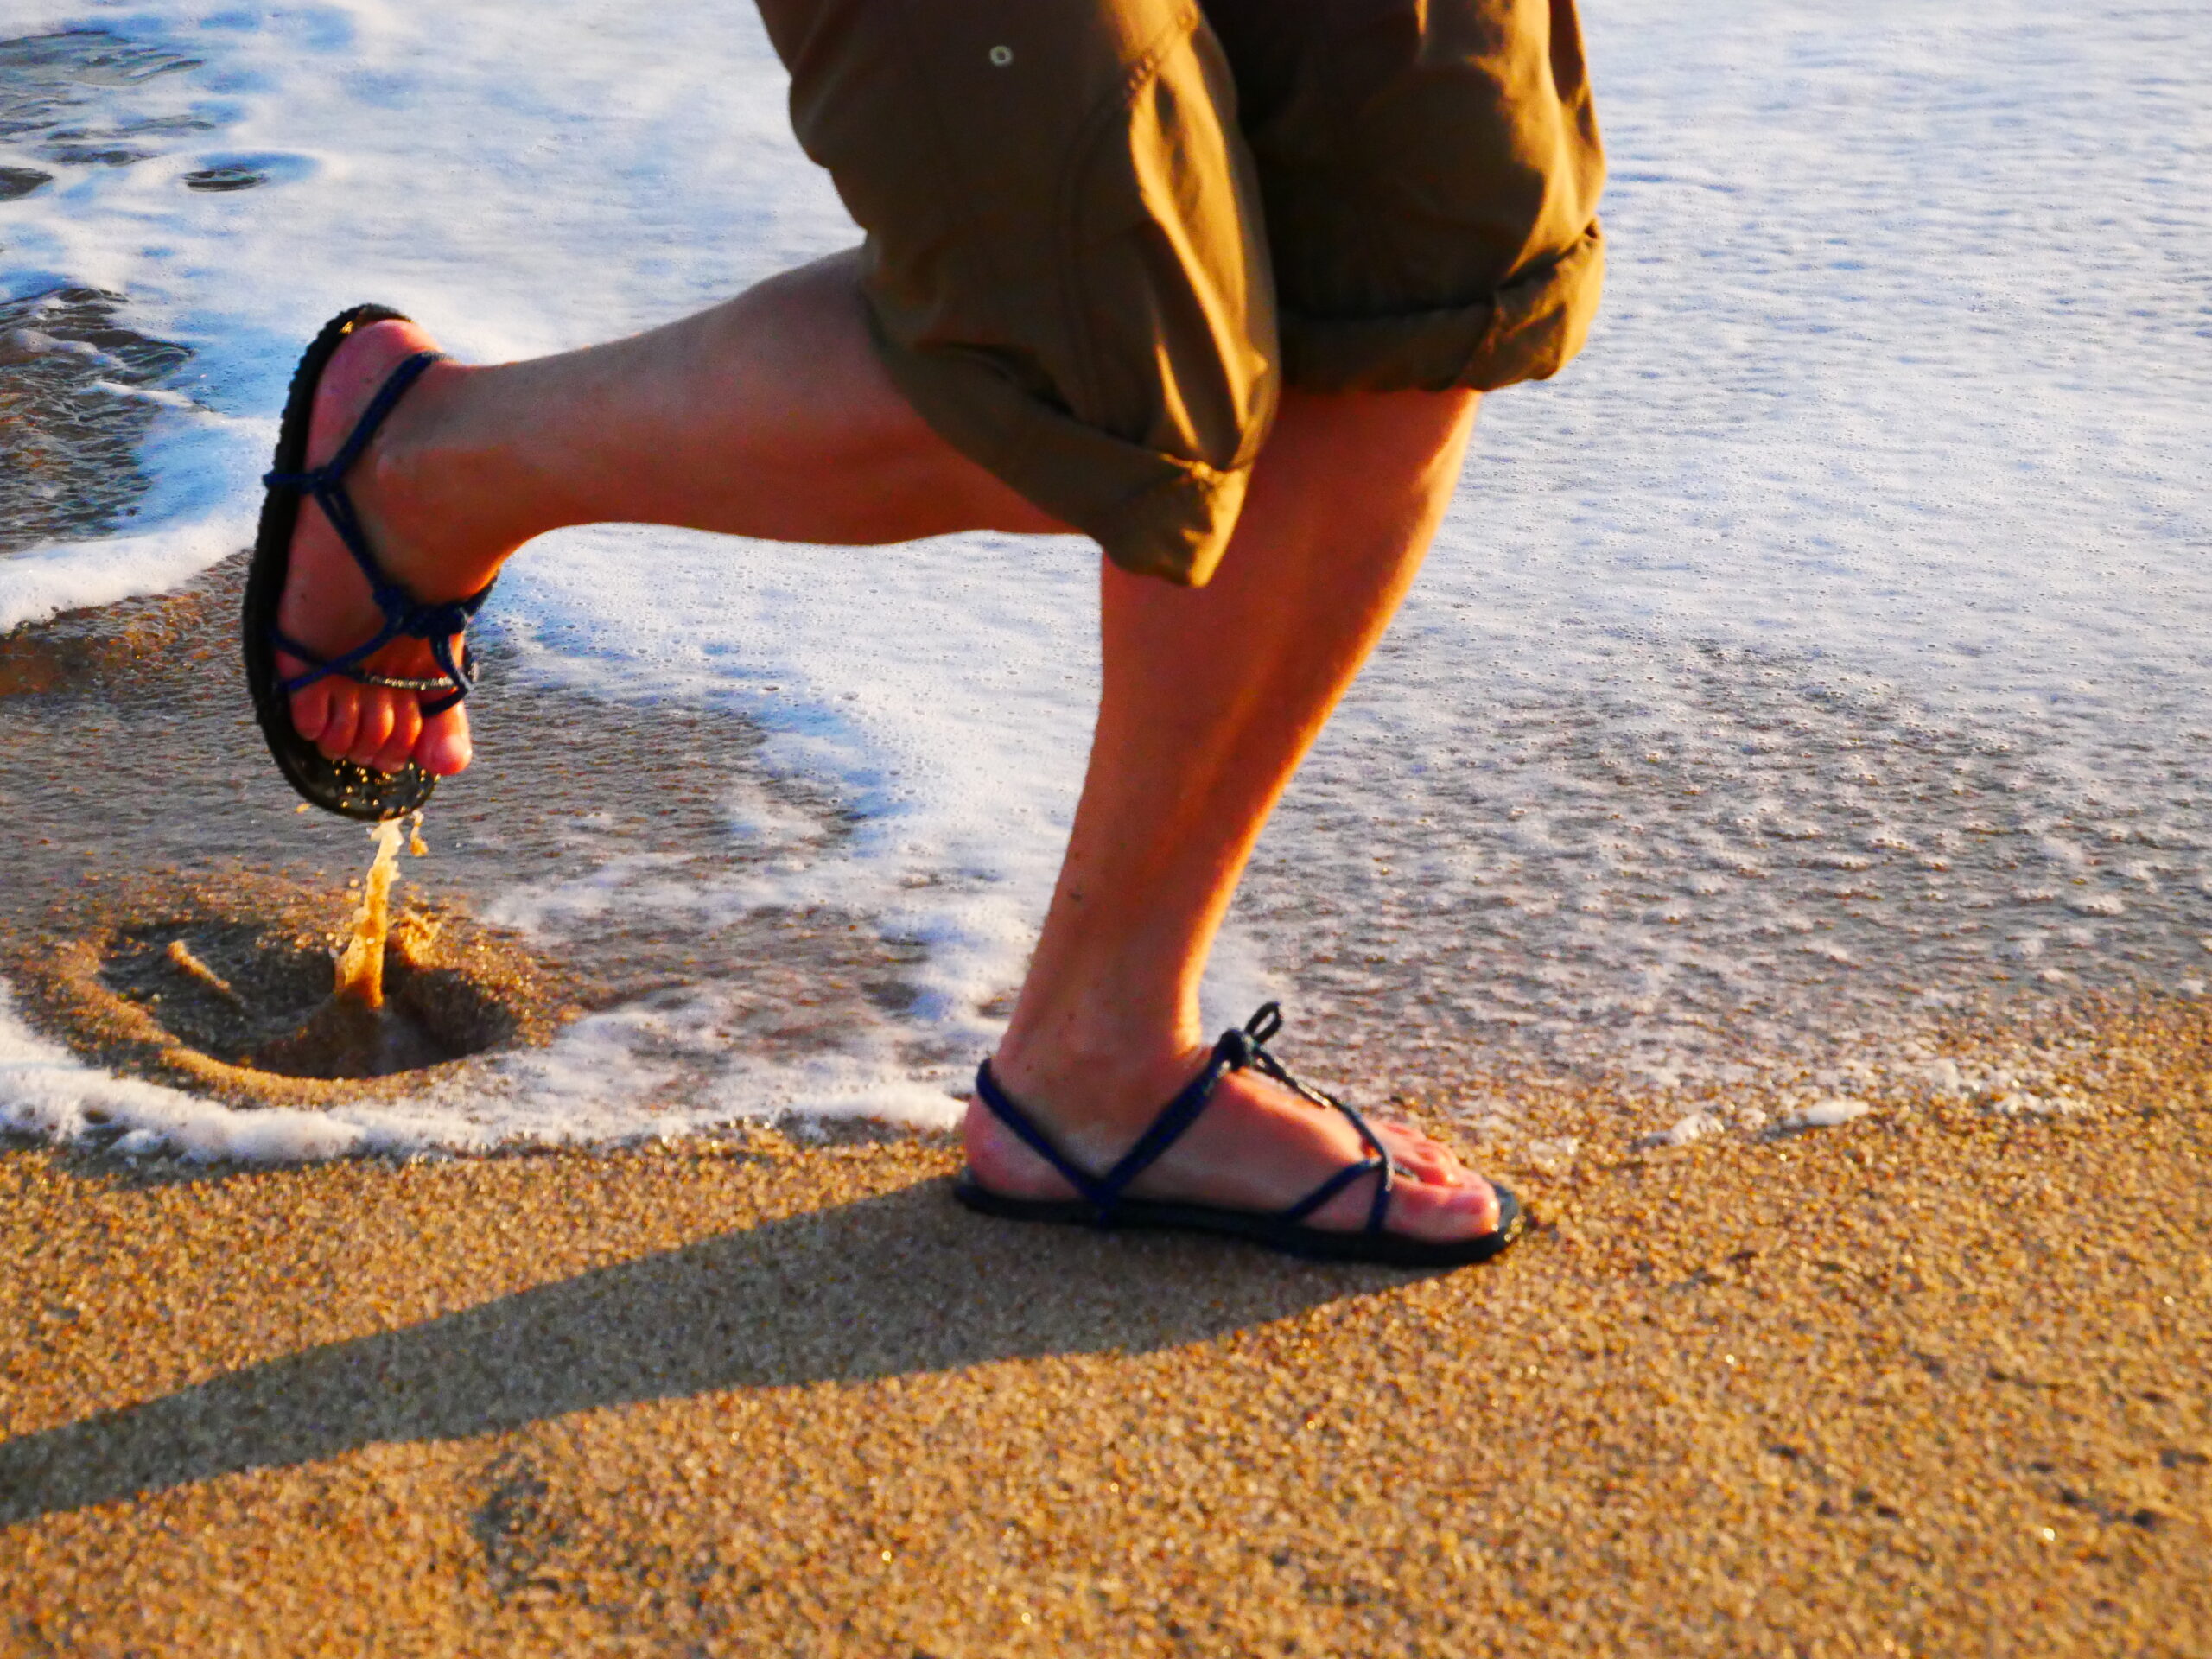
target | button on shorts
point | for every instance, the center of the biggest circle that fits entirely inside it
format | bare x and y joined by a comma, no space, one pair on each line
1102,234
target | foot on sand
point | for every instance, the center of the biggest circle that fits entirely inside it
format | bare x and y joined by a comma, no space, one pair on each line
1257,1145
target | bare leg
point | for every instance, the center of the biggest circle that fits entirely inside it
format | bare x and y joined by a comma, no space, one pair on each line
769,416
1212,698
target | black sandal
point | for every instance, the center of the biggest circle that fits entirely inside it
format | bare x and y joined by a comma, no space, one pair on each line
1103,1201
340,786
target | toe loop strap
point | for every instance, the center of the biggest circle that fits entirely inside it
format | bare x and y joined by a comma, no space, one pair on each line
1250,1044
455,677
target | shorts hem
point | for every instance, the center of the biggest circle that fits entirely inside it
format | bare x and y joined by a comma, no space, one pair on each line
1529,329
1152,514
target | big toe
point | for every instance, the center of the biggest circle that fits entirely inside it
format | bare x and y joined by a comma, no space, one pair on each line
445,747
1443,1212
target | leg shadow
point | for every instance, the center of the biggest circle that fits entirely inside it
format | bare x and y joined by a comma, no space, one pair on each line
904,1282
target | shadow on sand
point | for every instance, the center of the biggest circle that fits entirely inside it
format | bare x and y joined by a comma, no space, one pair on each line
901,1283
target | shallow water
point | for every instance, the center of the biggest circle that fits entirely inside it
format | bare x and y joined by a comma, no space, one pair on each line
1819,667
72,414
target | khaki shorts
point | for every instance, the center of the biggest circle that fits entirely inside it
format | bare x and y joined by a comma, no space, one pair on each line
1101,234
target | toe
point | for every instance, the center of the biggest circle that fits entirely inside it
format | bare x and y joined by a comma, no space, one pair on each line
310,704
373,727
406,727
336,737
444,747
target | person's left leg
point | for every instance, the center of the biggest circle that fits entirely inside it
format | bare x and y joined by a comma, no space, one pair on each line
1429,171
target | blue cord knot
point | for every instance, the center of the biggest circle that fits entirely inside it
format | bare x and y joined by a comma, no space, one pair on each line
437,621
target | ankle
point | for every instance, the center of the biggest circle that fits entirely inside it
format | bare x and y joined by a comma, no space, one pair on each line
1085,1082
427,493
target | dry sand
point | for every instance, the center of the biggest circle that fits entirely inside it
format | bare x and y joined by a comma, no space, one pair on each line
1932,1382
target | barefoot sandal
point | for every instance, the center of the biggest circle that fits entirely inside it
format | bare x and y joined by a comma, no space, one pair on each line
1103,1200
404,616
342,786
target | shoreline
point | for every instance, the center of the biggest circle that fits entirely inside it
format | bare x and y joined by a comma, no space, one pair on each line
170,824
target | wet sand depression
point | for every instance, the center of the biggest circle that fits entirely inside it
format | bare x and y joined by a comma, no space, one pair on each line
142,810
1931,1381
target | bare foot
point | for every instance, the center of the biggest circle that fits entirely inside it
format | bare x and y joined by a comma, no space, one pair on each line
1256,1146
326,604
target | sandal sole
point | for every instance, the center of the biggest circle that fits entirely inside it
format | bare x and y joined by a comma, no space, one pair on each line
1288,1238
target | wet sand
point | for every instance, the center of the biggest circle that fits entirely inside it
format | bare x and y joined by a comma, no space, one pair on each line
1929,1383
141,806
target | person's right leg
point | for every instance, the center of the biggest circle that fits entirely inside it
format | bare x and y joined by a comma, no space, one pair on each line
1212,696
770,415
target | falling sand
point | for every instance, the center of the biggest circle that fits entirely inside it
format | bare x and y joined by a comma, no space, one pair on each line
356,1032
360,959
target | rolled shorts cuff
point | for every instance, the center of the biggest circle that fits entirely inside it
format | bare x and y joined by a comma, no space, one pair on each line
1528,330
1154,514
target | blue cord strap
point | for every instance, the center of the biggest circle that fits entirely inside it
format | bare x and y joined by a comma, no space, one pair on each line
1237,1050
1104,1192
1265,1024
404,616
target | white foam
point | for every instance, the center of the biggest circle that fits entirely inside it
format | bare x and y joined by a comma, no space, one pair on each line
1828,1114
46,1091
587,1089
69,576
1695,1126
1831,638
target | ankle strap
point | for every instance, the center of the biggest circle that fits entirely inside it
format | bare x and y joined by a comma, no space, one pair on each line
1104,1192
1237,1048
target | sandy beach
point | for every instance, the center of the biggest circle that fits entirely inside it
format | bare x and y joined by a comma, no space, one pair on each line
1927,1383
